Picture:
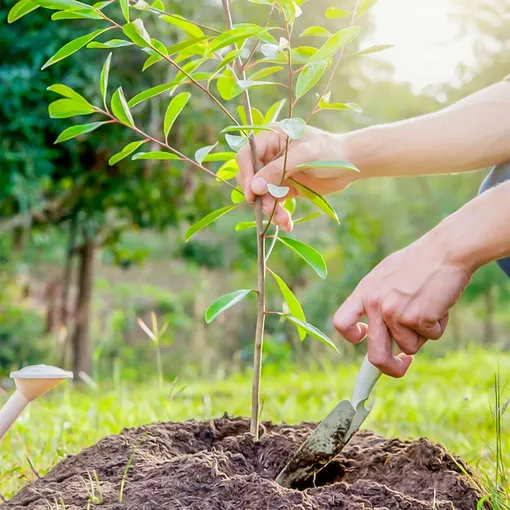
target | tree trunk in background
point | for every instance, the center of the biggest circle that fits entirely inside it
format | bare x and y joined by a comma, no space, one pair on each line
488,330
82,356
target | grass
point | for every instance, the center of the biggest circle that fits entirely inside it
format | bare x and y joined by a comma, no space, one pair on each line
448,400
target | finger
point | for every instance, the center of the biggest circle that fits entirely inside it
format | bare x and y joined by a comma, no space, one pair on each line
408,340
347,319
272,173
281,216
379,347
429,329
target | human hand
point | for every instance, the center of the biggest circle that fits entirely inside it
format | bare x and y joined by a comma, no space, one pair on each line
407,297
315,145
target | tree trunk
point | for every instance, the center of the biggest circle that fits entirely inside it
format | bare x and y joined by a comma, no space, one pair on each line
82,357
488,335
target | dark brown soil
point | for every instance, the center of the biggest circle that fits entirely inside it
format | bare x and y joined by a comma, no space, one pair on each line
216,466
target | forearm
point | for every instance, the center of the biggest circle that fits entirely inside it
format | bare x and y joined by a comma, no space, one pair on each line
471,134
478,233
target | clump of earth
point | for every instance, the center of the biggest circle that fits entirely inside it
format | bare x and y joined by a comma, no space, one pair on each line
216,465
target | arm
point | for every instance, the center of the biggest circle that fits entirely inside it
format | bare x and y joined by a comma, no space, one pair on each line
409,294
471,134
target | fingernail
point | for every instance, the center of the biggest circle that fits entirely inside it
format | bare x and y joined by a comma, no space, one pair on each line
259,186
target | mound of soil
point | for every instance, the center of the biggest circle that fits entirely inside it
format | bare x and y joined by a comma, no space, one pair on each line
216,466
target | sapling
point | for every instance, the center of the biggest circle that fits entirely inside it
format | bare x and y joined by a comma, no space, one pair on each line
228,62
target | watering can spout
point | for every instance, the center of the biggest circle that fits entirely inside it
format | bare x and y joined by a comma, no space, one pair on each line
31,383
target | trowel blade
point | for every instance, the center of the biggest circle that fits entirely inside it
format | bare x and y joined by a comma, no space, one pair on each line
326,441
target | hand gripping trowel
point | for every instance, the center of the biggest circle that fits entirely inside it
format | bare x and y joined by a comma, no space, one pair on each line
333,433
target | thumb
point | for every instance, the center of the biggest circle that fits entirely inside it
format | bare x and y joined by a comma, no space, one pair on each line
272,174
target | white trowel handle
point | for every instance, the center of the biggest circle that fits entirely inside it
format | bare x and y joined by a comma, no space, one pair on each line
367,377
11,410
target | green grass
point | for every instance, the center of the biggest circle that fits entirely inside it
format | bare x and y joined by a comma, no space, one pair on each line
448,400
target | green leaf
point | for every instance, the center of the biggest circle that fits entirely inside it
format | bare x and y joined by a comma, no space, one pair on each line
77,14
158,155
207,220
183,45
272,51
308,217
187,68
250,84
72,47
323,105
65,108
20,9
310,76
315,31
316,199
290,205
200,154
120,108
124,6
343,165
152,92
159,5
247,127
63,5
184,24
244,225
113,43
310,255
220,156
262,73
228,170
236,143
292,302
258,118
233,36
334,13
224,303
74,131
227,86
274,111
125,152
312,330
105,73
375,49
294,128
237,195
175,107
364,7
137,33
335,43
68,92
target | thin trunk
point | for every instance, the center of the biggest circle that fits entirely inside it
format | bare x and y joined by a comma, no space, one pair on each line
82,357
66,287
488,335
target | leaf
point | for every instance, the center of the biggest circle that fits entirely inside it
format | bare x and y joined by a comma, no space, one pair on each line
113,43
137,33
76,14
258,118
270,51
233,36
294,128
180,46
159,155
249,84
316,31
159,5
124,5
220,156
237,195
120,108
63,5
147,94
340,106
274,111
74,131
262,73
105,73
20,9
364,7
278,191
183,24
292,302
65,108
344,165
312,330
200,154
290,205
310,76
375,49
228,170
175,107
335,43
125,152
72,47
244,225
335,13
316,199
308,217
224,303
310,255
68,92
236,143
247,127
207,220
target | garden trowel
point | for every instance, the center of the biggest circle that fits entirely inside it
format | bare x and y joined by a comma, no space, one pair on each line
333,433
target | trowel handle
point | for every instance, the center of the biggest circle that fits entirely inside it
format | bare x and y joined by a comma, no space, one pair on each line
11,410
367,377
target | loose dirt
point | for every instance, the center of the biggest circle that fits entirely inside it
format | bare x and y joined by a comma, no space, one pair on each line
216,466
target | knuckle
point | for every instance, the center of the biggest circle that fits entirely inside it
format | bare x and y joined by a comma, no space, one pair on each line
409,348
378,360
373,302
389,310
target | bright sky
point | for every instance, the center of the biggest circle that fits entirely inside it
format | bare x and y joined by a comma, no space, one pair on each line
427,45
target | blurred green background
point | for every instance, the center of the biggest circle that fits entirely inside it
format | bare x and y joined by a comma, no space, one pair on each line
87,249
